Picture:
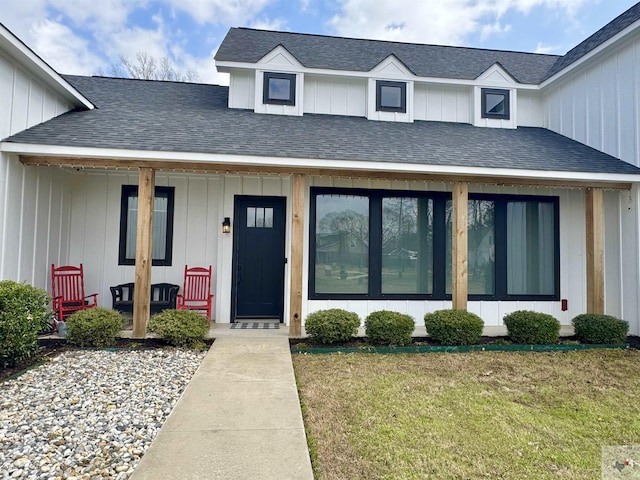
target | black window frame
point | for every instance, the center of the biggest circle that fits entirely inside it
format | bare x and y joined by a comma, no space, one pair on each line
129,191
439,245
403,96
277,101
507,108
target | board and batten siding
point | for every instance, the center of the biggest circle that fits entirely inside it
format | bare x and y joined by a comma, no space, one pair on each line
201,203
572,257
441,103
599,105
335,95
33,201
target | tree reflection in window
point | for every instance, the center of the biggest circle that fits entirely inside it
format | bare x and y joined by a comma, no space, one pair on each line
342,244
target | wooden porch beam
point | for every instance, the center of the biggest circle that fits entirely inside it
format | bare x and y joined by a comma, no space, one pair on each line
236,169
142,292
295,258
595,249
459,243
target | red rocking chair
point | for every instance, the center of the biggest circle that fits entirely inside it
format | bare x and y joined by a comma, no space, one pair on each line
196,293
67,287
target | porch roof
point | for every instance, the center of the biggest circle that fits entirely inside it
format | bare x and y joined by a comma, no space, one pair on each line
151,116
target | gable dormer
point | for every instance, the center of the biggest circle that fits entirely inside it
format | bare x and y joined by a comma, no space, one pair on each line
495,98
390,91
279,84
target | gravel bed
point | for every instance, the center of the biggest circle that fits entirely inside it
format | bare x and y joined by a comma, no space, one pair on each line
89,414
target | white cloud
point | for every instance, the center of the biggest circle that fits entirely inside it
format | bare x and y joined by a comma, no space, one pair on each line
233,12
550,49
62,49
441,22
266,24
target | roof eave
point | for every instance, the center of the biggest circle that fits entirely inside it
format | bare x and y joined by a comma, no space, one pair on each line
114,157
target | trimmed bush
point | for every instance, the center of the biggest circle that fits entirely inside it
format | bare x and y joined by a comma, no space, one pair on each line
333,325
24,311
182,328
595,328
94,327
389,328
525,326
454,327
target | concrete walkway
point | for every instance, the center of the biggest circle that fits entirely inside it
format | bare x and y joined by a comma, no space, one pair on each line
239,417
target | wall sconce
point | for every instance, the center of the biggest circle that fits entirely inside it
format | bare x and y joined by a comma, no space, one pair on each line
226,225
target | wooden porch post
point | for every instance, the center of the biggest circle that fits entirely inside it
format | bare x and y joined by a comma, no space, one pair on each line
297,243
595,249
460,196
142,292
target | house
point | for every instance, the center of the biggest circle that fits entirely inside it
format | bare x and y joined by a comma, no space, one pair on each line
354,173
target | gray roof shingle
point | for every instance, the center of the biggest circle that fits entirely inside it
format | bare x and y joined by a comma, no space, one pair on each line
351,54
611,29
186,117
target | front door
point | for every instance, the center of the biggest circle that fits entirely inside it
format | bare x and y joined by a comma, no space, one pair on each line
258,257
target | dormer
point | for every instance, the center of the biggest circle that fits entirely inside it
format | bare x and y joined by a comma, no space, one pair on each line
390,92
495,99
279,84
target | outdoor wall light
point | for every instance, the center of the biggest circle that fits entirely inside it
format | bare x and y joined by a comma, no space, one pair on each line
226,225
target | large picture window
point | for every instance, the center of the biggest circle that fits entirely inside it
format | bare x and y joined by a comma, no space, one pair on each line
374,244
162,235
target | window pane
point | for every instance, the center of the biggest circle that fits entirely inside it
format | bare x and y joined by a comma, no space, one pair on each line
495,103
530,248
260,217
407,245
159,240
268,217
279,88
480,250
132,223
251,217
390,97
342,244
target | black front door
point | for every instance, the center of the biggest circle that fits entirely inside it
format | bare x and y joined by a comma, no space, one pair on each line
258,257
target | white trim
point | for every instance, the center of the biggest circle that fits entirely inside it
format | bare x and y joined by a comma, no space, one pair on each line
38,67
313,163
228,67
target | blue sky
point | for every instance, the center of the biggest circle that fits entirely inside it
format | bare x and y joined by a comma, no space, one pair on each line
87,36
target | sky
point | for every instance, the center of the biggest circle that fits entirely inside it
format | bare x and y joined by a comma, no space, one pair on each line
87,37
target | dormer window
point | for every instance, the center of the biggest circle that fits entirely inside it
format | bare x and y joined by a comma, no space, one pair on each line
391,96
495,103
279,88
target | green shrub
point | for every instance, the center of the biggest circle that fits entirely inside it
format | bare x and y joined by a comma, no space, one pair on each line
389,328
182,328
595,328
454,327
525,326
24,311
94,327
333,325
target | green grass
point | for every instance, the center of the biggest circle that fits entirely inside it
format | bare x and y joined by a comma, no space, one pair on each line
475,415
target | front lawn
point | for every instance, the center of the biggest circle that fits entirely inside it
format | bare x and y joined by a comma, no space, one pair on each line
473,415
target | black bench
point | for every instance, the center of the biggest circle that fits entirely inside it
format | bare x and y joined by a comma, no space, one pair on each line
163,296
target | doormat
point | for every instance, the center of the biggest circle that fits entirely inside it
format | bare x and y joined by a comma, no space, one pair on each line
255,325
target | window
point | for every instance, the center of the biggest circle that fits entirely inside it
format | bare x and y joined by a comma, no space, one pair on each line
279,88
495,103
391,96
374,244
162,235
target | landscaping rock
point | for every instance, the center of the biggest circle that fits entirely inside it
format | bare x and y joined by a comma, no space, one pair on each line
89,414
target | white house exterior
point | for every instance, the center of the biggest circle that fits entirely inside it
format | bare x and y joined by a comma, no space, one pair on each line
356,170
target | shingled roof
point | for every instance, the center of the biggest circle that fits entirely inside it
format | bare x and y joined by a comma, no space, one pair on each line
186,117
351,54
611,29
